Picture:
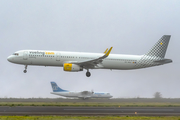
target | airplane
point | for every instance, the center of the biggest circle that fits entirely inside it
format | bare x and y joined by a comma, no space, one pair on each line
84,94
78,61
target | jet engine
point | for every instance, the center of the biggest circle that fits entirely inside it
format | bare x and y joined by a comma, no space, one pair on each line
72,67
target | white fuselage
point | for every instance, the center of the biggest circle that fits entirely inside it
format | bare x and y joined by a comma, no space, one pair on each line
86,94
58,58
77,61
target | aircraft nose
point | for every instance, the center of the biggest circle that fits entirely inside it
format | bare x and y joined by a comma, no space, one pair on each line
9,59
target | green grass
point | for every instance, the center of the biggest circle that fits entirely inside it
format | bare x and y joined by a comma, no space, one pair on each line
87,118
93,104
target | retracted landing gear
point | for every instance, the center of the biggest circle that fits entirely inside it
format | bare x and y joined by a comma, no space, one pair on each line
88,74
25,71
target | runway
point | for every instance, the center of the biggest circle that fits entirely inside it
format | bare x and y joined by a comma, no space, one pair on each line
143,111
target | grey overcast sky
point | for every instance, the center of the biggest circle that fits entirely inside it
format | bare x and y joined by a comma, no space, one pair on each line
130,26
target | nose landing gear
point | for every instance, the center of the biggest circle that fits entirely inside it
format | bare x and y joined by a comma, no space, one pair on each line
88,74
25,71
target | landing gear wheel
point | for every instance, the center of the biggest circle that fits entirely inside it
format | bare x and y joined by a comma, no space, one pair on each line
88,74
25,71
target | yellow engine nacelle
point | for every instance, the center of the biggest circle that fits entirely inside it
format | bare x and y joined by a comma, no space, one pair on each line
72,67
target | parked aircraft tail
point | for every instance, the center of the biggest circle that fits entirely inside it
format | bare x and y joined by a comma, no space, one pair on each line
56,88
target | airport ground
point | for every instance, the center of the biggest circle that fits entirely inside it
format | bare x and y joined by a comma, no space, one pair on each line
120,102
87,118
170,100
100,109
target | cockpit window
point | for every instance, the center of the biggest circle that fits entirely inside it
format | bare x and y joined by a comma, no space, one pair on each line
16,54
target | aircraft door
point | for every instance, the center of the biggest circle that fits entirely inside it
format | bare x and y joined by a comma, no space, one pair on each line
25,55
58,55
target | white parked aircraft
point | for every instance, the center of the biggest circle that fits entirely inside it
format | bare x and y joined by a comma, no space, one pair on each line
77,61
84,94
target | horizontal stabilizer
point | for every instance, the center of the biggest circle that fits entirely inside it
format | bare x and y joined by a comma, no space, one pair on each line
164,61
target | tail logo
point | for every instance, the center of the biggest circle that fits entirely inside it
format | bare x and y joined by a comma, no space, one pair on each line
156,53
55,88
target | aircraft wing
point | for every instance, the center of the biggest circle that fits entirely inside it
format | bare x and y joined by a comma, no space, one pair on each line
94,63
85,94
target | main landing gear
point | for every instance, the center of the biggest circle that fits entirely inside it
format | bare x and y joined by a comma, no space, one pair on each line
25,71
88,74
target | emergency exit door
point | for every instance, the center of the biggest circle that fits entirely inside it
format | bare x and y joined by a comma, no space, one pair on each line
25,55
58,55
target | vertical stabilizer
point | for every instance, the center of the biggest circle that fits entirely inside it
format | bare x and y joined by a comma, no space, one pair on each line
56,88
159,49
156,55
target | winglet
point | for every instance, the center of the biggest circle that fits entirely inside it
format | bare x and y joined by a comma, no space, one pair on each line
108,52
105,51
